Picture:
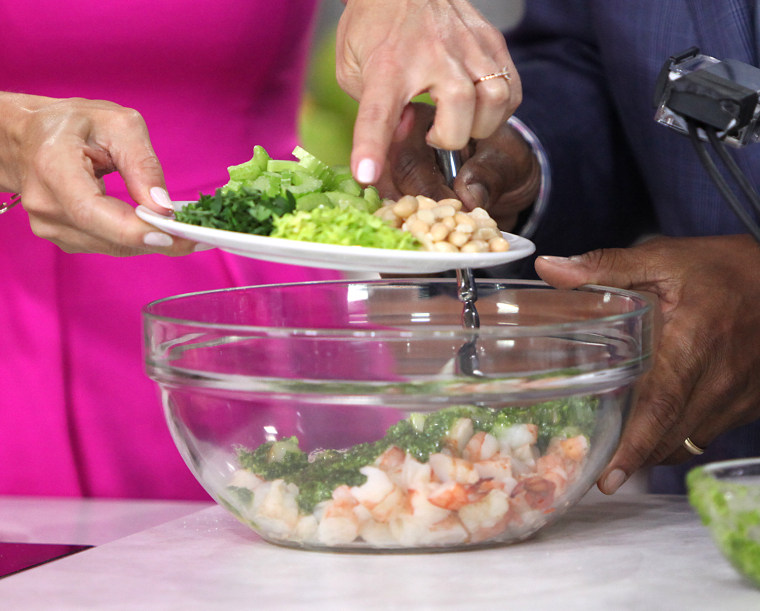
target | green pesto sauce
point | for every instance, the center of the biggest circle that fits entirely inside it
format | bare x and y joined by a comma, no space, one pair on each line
730,510
420,435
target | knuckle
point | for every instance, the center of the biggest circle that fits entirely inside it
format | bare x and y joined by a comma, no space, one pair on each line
665,410
375,113
458,91
493,94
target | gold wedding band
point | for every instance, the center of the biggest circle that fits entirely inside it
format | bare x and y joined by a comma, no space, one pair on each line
692,447
503,74
15,199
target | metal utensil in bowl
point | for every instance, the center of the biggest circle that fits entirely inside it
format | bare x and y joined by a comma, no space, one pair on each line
467,291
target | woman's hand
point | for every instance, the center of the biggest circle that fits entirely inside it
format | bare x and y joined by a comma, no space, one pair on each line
704,379
388,52
499,173
55,154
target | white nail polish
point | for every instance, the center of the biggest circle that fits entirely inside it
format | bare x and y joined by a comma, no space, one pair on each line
200,247
156,238
161,197
365,171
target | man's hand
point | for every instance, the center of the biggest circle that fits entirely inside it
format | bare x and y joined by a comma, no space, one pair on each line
704,377
499,173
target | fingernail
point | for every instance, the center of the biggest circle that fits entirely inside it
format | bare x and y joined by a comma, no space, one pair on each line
365,171
161,197
557,260
156,238
200,247
614,480
479,194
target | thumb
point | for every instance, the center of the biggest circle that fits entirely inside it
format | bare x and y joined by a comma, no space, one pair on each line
620,267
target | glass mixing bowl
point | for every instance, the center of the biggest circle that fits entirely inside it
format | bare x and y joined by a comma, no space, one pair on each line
726,495
360,415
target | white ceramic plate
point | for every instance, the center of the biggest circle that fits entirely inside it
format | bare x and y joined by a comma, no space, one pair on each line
329,256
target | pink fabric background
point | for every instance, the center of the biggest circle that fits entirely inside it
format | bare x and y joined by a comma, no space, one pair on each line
212,78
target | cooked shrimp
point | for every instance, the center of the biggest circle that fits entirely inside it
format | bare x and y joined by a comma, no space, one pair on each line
449,468
275,509
415,475
458,436
449,495
485,513
339,524
391,459
243,478
537,492
498,467
481,446
379,495
552,467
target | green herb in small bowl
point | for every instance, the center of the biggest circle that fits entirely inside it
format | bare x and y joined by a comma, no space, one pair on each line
726,495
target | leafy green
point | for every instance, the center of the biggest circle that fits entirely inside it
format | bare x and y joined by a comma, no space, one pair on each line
263,189
244,209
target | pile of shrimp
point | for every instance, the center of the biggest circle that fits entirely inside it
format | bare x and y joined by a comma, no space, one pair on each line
477,488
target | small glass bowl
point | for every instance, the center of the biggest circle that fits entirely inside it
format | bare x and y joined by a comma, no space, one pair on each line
361,416
726,495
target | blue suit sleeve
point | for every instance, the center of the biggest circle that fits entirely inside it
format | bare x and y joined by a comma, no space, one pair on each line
597,198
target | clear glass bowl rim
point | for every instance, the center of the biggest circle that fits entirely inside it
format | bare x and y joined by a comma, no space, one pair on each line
735,467
644,309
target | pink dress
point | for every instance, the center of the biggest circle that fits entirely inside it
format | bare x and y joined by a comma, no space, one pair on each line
212,78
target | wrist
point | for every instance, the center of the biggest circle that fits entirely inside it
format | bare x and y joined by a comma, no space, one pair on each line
16,111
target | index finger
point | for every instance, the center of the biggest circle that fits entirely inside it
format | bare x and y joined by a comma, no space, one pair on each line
380,110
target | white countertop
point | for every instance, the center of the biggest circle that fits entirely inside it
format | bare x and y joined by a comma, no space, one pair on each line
630,552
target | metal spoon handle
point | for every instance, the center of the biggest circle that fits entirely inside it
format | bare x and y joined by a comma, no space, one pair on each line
449,162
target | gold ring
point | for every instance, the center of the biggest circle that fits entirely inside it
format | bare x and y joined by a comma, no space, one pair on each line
15,199
503,74
692,447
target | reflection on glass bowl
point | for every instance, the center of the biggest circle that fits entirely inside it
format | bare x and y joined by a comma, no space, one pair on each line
334,415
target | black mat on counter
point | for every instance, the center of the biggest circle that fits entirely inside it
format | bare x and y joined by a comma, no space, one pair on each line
15,557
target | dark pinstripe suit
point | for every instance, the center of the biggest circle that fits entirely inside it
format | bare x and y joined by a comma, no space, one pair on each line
588,69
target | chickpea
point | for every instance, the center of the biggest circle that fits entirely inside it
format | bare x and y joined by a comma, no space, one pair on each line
474,246
416,227
406,206
427,216
498,245
444,211
454,203
485,233
458,239
444,226
439,232
425,203
444,247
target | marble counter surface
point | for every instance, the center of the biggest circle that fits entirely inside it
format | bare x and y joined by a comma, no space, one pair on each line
83,522
632,552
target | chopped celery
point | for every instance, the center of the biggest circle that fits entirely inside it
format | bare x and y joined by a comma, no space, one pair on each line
373,198
263,189
343,200
311,201
250,170
349,185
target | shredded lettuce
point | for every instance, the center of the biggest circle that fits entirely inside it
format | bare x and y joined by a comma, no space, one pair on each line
347,226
